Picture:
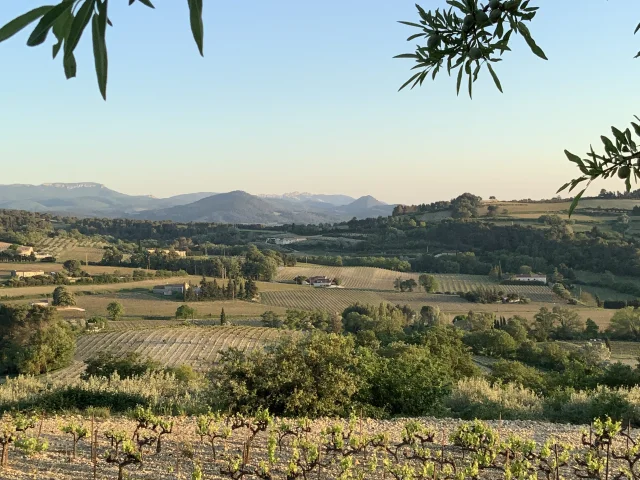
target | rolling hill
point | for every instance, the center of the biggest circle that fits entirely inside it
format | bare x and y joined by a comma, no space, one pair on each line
96,200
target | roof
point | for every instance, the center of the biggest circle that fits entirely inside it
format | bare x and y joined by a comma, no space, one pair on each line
318,278
164,287
4,245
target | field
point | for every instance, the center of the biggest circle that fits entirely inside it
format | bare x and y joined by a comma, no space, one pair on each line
378,279
174,346
183,448
71,249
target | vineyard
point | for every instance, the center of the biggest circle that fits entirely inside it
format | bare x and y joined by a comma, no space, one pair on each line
309,298
65,248
195,346
212,446
378,279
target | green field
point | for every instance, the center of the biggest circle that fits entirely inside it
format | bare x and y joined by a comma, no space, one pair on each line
65,248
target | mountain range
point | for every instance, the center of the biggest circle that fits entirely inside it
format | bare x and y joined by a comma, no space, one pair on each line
96,200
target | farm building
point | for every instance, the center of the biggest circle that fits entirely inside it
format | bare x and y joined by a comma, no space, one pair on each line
179,253
4,246
530,278
171,289
285,240
320,281
26,273
25,251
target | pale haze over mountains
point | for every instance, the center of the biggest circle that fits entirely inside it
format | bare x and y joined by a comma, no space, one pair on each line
94,199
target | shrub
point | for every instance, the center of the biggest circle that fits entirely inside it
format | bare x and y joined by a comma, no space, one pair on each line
129,365
476,398
494,343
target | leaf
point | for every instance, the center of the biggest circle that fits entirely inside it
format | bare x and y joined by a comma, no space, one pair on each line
531,42
619,135
39,34
573,158
576,199
100,47
471,86
70,66
197,28
608,144
409,81
637,29
636,127
460,72
23,21
496,80
147,3
80,22
61,30
407,55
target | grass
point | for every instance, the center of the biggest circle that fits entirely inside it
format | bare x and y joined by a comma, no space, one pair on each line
625,352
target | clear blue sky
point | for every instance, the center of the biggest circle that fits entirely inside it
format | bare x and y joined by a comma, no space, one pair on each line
298,95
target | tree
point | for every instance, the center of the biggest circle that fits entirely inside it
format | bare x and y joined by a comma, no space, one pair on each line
63,297
492,210
428,282
185,312
431,317
271,319
72,266
472,35
223,317
409,285
625,324
525,270
34,340
494,343
68,22
570,325
115,311
591,329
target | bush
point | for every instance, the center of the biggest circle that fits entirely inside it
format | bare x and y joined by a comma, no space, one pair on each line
508,371
476,398
132,364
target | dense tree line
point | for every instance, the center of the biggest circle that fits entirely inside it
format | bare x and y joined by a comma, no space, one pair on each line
237,289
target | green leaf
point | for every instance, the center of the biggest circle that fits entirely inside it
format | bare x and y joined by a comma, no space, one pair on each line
636,127
471,86
496,80
147,3
637,29
70,66
61,30
197,28
608,144
460,72
99,25
573,158
576,199
407,55
531,42
410,80
39,34
619,135
23,21
80,22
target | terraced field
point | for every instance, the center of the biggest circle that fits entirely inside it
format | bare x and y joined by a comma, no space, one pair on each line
71,249
378,279
195,346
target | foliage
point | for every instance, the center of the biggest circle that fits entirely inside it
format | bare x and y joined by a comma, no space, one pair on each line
68,20
429,283
131,364
63,297
493,343
625,324
115,311
33,340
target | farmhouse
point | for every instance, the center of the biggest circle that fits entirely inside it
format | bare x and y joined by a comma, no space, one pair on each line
179,253
536,278
320,281
25,251
170,289
4,246
26,273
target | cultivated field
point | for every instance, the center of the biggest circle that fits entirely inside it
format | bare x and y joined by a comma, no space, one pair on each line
175,346
71,249
379,279
183,448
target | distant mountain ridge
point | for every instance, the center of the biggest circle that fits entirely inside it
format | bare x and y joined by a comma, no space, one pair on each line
89,199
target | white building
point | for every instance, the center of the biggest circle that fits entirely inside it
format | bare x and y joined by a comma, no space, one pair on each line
285,240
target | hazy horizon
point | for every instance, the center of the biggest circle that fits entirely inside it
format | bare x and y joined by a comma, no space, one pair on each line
298,97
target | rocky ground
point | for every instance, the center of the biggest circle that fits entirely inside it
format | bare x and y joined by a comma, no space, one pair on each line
183,448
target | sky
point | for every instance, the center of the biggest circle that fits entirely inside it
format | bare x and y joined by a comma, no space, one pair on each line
302,96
